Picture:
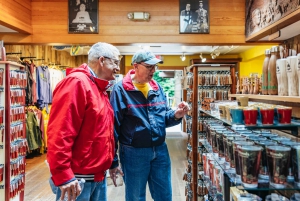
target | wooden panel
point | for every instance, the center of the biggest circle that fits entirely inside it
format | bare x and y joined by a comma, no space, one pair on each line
292,99
283,22
16,15
50,17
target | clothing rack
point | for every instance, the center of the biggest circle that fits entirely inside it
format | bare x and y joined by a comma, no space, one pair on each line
11,53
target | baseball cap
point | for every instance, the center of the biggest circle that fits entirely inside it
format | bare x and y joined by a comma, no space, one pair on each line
145,56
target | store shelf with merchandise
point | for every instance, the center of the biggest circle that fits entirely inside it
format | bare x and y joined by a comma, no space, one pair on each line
291,99
293,126
197,111
13,143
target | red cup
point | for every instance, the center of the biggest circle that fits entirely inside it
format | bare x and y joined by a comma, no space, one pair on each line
267,116
284,115
250,116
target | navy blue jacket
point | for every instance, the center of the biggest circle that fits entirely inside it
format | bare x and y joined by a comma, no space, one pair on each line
140,122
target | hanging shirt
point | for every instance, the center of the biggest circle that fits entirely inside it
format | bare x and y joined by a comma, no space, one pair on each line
44,93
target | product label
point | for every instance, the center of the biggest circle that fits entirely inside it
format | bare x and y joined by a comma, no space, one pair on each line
276,155
244,154
288,67
277,70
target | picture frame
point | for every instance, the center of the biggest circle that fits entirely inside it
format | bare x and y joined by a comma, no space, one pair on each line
194,16
83,16
261,14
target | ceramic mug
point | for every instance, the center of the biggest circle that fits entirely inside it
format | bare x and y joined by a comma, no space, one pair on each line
243,101
250,116
222,111
237,116
227,111
267,116
284,115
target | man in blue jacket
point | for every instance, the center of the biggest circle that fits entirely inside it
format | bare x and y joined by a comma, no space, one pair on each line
141,117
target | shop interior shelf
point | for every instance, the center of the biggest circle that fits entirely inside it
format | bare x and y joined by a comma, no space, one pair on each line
293,127
292,99
263,184
268,187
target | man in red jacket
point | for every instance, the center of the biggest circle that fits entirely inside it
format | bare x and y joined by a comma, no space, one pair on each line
80,128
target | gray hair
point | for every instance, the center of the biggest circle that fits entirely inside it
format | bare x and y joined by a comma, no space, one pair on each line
102,49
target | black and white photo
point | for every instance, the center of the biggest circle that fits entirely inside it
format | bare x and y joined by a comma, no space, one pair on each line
83,16
194,16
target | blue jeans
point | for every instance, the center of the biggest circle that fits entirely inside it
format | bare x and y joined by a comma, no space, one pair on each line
92,191
142,165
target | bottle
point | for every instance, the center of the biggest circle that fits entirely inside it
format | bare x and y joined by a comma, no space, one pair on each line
264,90
272,77
81,184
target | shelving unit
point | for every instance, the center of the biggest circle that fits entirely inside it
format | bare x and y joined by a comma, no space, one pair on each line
14,143
196,111
292,127
291,99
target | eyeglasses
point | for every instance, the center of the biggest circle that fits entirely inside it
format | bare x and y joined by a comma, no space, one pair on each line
151,67
115,61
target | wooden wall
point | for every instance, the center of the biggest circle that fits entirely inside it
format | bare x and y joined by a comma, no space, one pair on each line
16,15
50,24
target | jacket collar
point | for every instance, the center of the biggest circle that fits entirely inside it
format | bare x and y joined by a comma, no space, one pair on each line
102,85
128,85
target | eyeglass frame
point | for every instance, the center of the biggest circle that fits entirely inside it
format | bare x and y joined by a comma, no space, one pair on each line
151,67
115,61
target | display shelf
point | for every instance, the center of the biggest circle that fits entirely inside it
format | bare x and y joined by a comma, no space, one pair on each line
212,191
263,185
293,127
291,99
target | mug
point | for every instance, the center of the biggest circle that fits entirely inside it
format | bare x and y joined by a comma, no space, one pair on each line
242,101
284,115
250,116
222,111
266,116
237,115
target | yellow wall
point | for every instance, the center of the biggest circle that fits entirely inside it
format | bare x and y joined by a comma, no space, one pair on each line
252,60
174,60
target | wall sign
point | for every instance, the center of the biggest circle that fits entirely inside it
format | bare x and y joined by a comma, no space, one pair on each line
262,13
194,16
83,16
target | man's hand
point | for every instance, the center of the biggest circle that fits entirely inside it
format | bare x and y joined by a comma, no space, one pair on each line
72,189
182,109
114,174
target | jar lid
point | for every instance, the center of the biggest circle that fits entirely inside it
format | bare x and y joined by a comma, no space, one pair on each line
267,52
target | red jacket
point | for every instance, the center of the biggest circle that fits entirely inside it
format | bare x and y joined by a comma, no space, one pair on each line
80,128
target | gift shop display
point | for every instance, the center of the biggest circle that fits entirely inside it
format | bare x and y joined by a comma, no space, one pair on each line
237,146
13,142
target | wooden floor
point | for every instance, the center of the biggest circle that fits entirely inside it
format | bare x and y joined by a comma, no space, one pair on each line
37,175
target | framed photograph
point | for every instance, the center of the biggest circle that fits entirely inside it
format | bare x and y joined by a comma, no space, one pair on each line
261,14
83,16
194,16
